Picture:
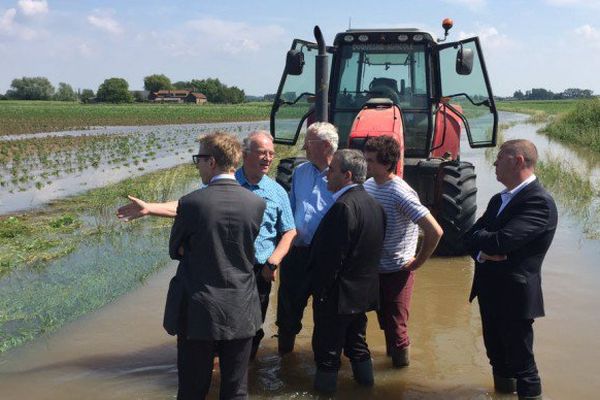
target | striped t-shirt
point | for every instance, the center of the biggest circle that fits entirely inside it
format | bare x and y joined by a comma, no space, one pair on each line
402,209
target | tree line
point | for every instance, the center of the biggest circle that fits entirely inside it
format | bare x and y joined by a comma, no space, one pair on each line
116,90
543,94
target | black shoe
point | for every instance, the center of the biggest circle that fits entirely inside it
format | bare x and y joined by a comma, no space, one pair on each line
325,381
505,385
400,358
363,372
285,343
538,397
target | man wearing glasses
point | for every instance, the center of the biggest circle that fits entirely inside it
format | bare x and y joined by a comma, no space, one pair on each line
278,220
212,304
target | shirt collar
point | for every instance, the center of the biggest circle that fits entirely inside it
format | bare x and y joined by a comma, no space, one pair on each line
320,173
222,176
240,176
511,193
343,190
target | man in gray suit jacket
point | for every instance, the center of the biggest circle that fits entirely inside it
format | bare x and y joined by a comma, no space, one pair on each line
212,304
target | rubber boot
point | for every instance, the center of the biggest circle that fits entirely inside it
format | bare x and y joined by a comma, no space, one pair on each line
400,358
285,343
505,385
325,381
538,397
363,372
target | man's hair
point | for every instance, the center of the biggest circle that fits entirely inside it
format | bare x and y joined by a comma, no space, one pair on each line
327,132
387,150
353,161
224,147
247,142
521,147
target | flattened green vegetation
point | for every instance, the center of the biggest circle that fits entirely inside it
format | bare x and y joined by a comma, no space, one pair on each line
30,240
46,116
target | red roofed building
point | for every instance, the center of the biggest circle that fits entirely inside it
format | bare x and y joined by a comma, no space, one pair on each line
177,96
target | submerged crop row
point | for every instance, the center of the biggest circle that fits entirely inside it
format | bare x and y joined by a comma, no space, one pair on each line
36,162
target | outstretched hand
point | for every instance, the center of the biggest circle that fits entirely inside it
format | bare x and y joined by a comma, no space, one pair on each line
136,209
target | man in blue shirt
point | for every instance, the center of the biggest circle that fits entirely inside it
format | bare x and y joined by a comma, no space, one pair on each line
278,221
310,201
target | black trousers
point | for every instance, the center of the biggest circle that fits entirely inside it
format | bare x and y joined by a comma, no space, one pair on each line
264,291
294,290
334,332
509,346
195,364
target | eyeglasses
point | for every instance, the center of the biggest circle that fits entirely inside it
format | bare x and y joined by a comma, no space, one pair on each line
264,153
196,157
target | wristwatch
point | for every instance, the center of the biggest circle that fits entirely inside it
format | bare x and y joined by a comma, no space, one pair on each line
272,267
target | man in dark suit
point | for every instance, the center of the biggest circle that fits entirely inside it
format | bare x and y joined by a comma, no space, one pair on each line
212,304
344,257
509,243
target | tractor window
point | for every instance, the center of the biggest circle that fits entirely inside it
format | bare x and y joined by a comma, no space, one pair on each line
394,71
470,93
294,97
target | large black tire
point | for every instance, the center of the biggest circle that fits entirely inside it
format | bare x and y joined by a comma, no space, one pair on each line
457,204
284,171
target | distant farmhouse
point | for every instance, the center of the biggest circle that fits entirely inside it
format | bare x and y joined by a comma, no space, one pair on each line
177,96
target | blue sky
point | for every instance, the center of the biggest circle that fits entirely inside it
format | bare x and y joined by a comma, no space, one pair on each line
554,44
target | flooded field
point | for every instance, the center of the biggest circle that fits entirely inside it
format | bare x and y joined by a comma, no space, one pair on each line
121,351
38,168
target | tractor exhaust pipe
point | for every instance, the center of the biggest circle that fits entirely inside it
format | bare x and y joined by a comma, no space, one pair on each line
321,79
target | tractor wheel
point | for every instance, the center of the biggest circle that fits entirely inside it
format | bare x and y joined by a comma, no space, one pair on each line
284,171
456,206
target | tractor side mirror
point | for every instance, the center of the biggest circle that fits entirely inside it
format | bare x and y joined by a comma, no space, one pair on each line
464,61
294,63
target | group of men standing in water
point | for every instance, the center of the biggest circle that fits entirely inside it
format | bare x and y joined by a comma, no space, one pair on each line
351,244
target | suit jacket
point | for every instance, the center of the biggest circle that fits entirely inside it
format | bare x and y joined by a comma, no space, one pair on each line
523,231
213,294
345,254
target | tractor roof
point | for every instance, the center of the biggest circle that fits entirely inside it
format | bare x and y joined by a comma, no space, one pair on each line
389,34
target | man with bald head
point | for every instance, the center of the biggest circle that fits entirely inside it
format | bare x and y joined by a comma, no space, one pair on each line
277,229
509,243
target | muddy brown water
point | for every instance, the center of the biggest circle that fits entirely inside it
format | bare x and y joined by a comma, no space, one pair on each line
121,351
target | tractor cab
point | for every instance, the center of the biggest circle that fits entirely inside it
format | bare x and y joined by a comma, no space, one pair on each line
421,76
428,94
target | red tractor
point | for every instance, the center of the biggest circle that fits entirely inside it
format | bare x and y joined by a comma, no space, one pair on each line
404,83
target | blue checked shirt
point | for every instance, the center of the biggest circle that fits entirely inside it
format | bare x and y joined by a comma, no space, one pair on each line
277,219
310,201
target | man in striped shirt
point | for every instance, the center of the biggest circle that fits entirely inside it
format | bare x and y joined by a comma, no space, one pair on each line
399,259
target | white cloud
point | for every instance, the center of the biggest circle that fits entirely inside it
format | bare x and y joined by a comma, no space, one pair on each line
590,34
490,38
9,27
33,7
103,20
7,20
215,36
234,37
470,4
